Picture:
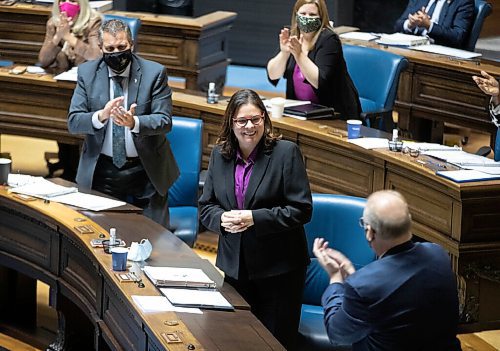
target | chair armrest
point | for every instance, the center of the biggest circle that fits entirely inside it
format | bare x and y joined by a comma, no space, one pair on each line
380,119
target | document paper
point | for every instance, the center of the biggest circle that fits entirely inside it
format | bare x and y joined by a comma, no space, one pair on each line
211,299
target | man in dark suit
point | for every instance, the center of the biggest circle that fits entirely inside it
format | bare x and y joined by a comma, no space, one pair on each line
447,22
122,104
406,300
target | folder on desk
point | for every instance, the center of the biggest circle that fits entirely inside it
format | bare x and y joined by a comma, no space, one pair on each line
178,277
310,111
208,299
467,175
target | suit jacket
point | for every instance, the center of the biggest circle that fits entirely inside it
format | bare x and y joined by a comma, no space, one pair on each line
455,21
280,199
54,60
406,300
336,88
148,88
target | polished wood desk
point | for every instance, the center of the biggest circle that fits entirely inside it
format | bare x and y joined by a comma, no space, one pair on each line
461,217
440,89
39,241
192,48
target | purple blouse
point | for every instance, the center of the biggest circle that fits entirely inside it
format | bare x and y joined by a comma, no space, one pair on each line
242,173
303,91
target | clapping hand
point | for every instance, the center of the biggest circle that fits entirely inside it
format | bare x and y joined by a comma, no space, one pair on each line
333,262
284,40
236,221
295,46
489,85
123,117
63,29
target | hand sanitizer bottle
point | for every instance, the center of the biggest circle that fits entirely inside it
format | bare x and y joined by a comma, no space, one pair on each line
211,95
112,236
395,136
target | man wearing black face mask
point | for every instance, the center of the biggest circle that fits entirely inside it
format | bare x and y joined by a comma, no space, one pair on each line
123,104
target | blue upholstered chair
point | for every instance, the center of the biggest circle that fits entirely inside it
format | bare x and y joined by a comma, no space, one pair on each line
482,9
335,218
185,140
375,74
133,23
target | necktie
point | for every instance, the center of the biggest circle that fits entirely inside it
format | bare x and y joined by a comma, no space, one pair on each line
119,152
431,9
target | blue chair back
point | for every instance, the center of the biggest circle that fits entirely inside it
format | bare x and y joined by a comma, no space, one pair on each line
335,218
186,142
482,9
133,23
375,74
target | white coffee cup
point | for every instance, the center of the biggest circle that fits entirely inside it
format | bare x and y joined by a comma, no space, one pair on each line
277,107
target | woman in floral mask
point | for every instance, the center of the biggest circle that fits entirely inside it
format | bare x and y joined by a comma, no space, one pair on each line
71,36
70,39
312,62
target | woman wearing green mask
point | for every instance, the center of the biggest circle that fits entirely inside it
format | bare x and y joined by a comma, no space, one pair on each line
312,62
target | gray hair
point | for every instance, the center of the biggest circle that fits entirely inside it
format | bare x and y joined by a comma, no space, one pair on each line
387,213
113,27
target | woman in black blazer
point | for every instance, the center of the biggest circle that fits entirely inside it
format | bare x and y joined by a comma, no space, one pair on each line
312,62
257,197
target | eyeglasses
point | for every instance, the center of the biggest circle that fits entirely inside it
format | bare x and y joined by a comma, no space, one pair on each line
362,223
242,121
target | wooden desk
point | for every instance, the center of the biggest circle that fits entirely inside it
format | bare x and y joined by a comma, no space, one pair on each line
439,89
192,48
95,310
461,217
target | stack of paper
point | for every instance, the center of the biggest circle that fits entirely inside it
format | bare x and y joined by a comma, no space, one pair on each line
364,36
211,299
41,187
160,304
400,39
444,50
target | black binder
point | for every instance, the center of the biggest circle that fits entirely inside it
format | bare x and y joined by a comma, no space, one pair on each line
310,111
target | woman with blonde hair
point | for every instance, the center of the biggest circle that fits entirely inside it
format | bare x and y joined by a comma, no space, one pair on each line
311,60
71,36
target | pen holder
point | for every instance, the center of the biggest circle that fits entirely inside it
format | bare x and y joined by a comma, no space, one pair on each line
107,246
395,146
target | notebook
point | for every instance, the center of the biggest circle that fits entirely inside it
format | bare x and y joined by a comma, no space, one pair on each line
310,111
178,277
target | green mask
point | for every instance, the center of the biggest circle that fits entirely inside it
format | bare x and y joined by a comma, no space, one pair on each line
308,24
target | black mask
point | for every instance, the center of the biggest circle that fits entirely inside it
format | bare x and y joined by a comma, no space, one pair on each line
118,61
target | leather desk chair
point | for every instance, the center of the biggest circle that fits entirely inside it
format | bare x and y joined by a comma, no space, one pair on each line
133,23
375,74
482,9
186,141
335,218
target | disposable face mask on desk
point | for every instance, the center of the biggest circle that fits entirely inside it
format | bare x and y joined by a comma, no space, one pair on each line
140,251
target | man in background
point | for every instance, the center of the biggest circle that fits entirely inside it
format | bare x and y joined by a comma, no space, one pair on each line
123,104
446,22
405,300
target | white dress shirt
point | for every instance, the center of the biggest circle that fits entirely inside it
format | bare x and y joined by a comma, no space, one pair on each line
107,147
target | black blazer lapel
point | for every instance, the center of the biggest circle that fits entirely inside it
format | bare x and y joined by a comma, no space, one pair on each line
229,181
258,172
134,82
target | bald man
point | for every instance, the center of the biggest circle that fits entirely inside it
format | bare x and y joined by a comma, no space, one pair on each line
405,300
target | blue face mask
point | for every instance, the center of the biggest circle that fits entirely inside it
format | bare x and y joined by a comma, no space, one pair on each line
308,24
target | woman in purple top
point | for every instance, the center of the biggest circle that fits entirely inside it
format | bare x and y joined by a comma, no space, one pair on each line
257,198
312,62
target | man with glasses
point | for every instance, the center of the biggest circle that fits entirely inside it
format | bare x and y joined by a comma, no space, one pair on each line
123,105
405,300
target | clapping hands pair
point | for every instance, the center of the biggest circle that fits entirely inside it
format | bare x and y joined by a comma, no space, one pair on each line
333,262
290,44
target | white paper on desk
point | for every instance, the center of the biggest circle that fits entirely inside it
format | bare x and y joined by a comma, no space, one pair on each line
288,103
194,297
466,175
302,118
160,304
44,189
458,158
364,36
16,180
370,143
444,50
71,75
401,39
493,170
88,201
